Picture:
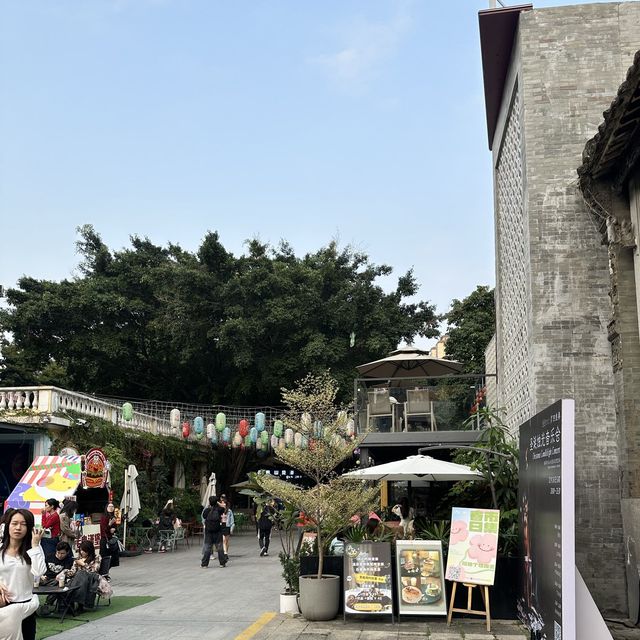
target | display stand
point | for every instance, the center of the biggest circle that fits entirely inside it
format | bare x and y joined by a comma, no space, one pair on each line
484,592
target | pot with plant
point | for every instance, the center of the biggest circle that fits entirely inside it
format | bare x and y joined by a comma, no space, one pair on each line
319,423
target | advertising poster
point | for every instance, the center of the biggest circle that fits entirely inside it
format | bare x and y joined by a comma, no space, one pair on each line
420,577
473,545
367,578
546,604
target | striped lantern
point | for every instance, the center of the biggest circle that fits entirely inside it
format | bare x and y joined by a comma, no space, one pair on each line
198,427
274,441
264,437
253,435
174,418
226,435
237,440
243,428
211,430
186,429
288,437
278,428
221,421
260,421
297,441
127,411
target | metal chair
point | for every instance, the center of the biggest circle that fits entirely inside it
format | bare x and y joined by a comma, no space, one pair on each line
379,406
419,404
167,539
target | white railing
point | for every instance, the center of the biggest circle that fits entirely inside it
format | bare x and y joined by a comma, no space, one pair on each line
50,400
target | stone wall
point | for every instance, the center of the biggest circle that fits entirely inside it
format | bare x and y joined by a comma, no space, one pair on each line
568,63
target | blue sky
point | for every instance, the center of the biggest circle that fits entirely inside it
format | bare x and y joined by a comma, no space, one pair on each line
306,121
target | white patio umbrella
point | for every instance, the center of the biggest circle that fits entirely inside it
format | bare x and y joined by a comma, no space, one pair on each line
409,362
416,468
130,503
209,491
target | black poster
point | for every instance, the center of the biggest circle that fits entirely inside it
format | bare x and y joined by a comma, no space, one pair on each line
367,578
546,604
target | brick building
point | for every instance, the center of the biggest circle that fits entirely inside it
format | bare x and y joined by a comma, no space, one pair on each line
549,74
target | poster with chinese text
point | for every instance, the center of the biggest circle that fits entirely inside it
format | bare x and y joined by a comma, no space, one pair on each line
367,578
420,577
473,545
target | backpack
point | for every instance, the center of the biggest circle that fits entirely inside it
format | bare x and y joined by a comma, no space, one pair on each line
212,521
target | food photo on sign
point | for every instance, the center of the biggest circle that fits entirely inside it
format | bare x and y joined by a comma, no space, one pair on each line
420,577
367,570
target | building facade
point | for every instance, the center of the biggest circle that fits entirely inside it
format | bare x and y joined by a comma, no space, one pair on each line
549,74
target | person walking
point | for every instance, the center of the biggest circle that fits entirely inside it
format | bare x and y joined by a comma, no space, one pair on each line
213,532
109,547
265,523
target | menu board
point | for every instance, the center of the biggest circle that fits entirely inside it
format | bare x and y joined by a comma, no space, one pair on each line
473,545
367,578
420,577
546,498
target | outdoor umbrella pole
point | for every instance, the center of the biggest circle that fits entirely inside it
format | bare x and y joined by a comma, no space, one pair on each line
126,507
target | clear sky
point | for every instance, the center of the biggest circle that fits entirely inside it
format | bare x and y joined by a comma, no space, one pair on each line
303,120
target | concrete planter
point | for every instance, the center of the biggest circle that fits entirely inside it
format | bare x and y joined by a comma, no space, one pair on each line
319,599
289,603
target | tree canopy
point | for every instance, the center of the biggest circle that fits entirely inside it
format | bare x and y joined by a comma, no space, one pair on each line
471,323
154,321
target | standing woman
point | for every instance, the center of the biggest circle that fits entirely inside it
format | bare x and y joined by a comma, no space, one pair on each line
227,527
108,540
67,531
51,521
21,560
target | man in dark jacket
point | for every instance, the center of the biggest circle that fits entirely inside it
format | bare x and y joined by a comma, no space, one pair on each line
265,522
213,531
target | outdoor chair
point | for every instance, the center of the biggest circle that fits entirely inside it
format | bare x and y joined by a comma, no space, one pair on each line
167,539
419,404
379,406
180,534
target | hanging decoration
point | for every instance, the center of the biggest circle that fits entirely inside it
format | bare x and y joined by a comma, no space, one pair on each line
260,421
253,435
305,421
278,428
127,411
264,437
174,418
247,441
274,441
243,428
237,440
288,437
282,444
226,434
318,429
351,428
211,429
186,429
198,427
297,441
221,421
305,442
213,437
259,445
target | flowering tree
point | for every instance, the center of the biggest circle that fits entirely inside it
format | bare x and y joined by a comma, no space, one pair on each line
311,411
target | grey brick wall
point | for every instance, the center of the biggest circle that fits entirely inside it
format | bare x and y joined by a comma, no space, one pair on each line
568,64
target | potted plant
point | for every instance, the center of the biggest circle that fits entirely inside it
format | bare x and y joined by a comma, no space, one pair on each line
287,520
312,413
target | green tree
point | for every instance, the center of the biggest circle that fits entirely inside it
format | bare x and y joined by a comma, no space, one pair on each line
161,322
471,324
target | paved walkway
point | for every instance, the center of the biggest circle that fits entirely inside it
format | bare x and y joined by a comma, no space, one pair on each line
224,604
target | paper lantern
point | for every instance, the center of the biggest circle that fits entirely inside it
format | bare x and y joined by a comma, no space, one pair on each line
211,429
127,411
259,445
264,436
213,437
237,440
351,428
281,443
278,428
253,435
305,442
198,427
318,429
305,420
288,437
297,441
226,434
221,421
243,428
342,418
186,429
274,441
260,421
174,418
247,441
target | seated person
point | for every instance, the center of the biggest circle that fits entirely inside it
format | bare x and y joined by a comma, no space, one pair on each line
84,574
57,562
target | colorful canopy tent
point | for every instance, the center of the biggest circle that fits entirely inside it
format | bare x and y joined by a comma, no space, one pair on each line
48,477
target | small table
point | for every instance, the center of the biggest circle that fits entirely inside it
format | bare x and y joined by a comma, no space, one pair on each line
60,594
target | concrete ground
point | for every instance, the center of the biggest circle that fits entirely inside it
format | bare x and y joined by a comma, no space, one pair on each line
240,602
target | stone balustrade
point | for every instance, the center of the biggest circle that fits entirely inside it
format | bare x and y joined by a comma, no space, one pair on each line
52,400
